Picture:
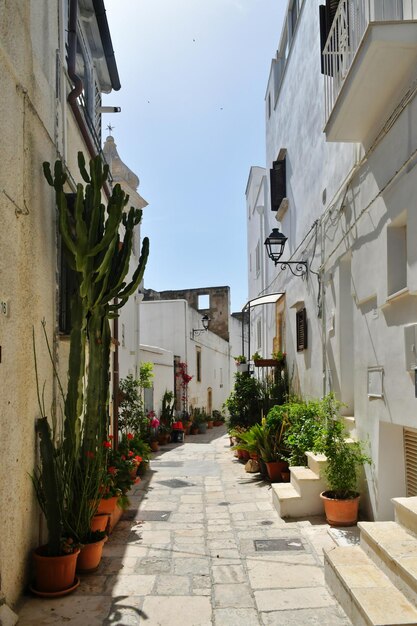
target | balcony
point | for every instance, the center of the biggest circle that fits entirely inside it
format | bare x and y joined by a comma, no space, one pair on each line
369,59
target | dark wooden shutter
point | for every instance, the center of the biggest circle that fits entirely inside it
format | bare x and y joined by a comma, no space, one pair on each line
301,323
67,281
326,15
278,184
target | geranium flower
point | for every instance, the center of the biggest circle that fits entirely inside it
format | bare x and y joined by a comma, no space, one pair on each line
107,444
138,459
130,436
111,437
154,423
123,457
130,453
112,470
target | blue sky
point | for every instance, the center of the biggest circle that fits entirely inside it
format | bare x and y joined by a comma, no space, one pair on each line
193,77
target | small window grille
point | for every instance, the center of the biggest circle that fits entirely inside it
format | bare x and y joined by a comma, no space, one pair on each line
301,323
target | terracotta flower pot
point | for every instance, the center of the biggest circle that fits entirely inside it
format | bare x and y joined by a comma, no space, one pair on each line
54,574
107,505
194,430
210,424
99,522
340,512
154,446
243,455
274,469
90,556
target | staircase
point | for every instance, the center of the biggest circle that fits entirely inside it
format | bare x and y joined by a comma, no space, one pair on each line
376,581
301,496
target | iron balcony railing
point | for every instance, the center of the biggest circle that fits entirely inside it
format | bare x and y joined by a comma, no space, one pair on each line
349,25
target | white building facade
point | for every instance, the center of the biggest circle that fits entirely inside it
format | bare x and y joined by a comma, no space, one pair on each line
177,326
342,148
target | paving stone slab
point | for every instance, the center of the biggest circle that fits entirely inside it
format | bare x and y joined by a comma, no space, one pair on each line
233,617
278,545
236,595
330,616
296,598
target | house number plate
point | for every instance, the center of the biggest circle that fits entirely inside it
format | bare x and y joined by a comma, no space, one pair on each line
4,308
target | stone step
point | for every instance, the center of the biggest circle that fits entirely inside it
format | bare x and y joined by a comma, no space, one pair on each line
289,503
394,550
405,510
306,482
366,594
350,425
316,462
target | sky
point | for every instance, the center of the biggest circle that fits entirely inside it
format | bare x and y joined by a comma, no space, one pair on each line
193,75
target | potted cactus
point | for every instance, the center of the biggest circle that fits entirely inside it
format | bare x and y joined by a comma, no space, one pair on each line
73,464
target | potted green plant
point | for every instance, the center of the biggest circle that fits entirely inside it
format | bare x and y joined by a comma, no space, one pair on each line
241,363
345,458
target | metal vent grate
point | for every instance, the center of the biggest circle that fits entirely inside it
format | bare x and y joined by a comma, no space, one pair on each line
410,452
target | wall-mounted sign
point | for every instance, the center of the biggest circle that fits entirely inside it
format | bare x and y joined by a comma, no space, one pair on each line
4,307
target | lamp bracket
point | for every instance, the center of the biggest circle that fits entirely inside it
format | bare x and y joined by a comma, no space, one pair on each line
300,269
198,331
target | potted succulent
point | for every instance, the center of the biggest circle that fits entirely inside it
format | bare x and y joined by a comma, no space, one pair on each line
345,458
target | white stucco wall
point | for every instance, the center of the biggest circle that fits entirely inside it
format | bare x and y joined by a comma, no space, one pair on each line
169,323
38,127
353,323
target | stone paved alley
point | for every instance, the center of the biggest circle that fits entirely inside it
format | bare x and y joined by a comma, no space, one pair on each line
185,553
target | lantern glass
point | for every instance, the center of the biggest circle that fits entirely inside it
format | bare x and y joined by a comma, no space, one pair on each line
275,245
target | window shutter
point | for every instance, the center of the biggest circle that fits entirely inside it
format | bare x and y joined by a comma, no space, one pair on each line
278,184
410,450
327,13
67,281
301,323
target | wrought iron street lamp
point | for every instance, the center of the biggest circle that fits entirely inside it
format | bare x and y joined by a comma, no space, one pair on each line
275,245
205,320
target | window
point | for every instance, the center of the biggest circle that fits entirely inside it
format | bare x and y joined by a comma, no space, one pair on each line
301,324
327,14
293,15
203,302
278,181
397,254
198,364
259,335
258,258
67,282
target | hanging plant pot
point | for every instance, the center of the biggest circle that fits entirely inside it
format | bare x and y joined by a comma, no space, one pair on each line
107,505
90,556
242,367
340,512
54,575
274,469
99,522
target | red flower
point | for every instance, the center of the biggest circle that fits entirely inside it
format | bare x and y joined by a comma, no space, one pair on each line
130,436
111,437
137,480
123,457
138,459
107,444
112,470
130,453
89,455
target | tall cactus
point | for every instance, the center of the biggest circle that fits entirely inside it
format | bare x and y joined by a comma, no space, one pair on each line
91,236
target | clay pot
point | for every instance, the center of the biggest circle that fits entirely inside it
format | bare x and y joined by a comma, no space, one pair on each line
107,505
340,512
54,574
154,446
194,430
90,556
243,455
274,469
99,522
210,424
